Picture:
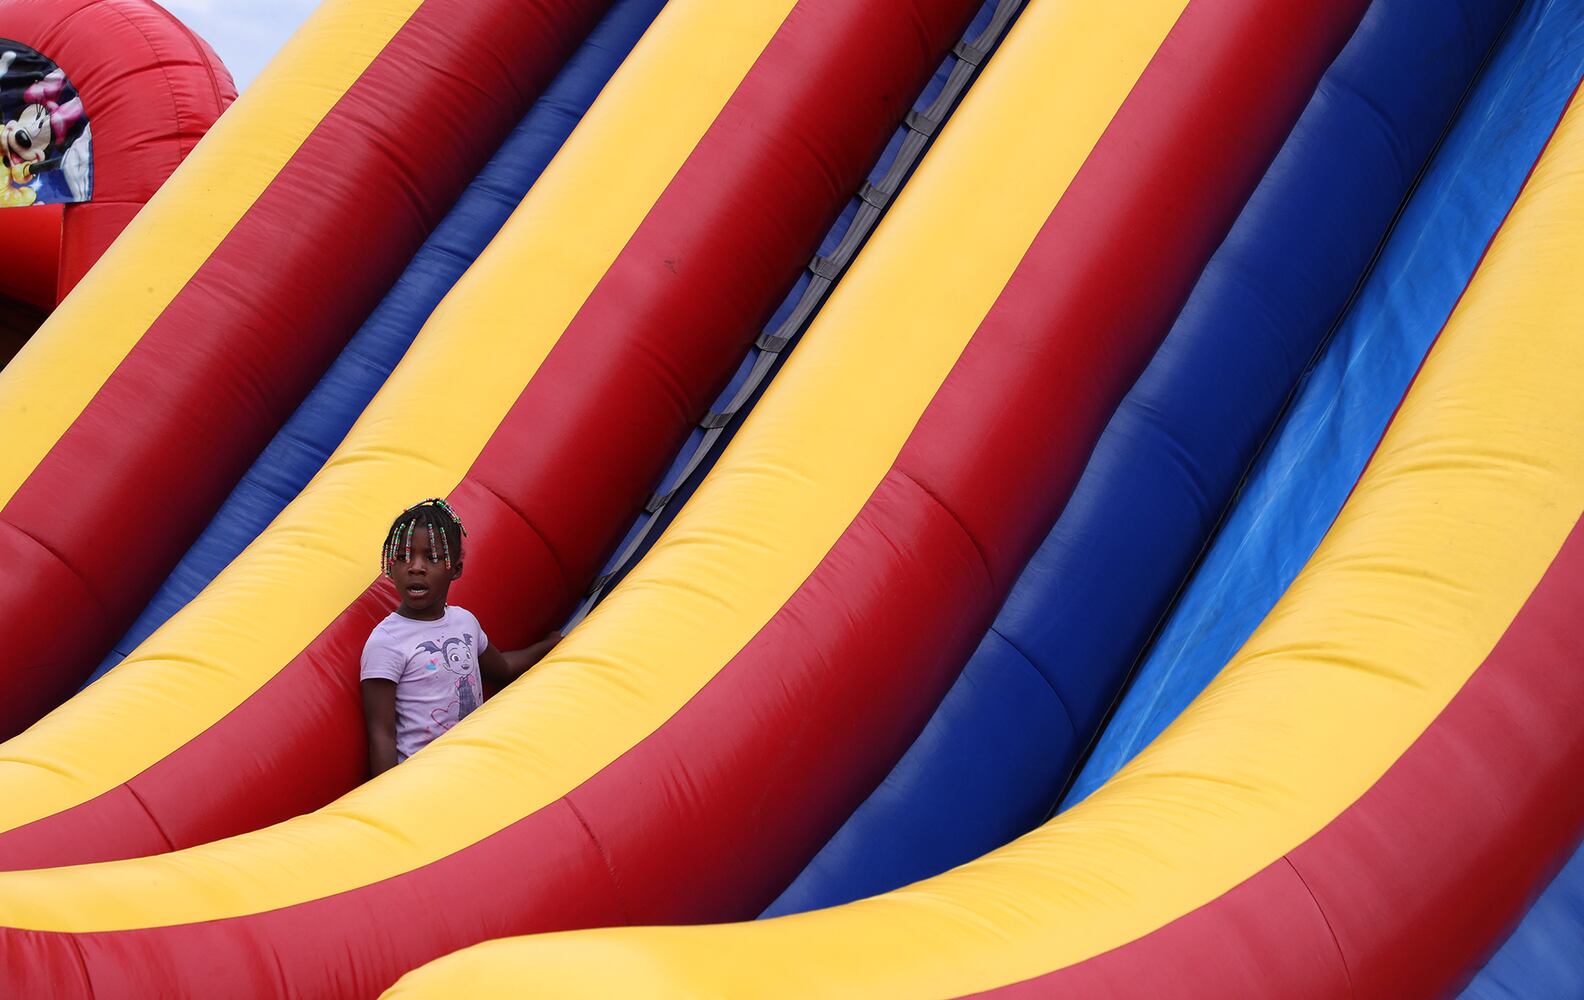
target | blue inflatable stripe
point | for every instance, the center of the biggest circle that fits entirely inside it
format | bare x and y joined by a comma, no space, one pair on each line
1544,956
1323,443
306,441
993,760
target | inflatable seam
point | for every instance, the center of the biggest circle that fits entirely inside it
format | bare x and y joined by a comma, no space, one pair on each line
555,557
216,91
984,559
605,858
87,586
1347,973
170,845
1032,665
82,962
182,127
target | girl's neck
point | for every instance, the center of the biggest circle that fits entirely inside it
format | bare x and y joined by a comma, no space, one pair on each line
432,615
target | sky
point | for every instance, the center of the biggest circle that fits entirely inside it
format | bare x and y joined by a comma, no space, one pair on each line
246,33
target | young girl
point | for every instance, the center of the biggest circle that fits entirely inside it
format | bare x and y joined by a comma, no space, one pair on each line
421,665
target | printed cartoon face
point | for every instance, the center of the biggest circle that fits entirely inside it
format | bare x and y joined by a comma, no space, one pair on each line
455,652
27,140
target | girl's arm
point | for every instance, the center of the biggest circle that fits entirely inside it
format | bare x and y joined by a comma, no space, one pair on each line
503,668
379,718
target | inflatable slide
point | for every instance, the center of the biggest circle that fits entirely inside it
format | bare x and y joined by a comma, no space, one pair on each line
1363,800
1434,849
518,255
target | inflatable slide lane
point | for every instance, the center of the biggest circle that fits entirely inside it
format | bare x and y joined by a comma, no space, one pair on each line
688,748
147,393
582,346
1361,803
1318,450
320,423
1009,735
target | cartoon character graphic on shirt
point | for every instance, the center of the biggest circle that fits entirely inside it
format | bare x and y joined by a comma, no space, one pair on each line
456,655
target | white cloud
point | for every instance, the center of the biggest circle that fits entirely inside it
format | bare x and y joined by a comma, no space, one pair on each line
246,33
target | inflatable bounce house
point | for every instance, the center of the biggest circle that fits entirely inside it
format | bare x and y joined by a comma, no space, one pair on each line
154,87
1043,497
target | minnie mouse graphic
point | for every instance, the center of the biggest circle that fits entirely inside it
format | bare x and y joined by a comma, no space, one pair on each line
44,126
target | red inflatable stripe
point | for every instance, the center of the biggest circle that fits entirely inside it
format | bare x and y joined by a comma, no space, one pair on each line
574,459
922,567
130,484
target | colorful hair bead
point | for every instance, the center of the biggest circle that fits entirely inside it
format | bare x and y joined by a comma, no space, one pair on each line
439,520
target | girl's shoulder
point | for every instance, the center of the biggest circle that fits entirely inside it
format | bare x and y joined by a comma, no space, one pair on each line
385,629
457,613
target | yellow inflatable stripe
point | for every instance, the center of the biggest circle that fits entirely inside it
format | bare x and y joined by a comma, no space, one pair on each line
63,367
489,337
1475,487
797,474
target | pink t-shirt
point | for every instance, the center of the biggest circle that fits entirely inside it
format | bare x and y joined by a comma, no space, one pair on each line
435,667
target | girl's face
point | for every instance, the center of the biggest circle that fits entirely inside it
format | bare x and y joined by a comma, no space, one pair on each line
422,580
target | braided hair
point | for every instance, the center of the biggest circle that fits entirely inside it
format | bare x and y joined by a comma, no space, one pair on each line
437,518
